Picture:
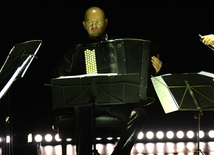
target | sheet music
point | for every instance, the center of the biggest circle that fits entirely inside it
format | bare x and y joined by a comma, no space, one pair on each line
164,94
86,75
207,74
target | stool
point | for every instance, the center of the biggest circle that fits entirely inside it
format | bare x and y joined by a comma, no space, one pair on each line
65,126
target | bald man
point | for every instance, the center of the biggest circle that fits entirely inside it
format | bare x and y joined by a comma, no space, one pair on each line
95,23
73,63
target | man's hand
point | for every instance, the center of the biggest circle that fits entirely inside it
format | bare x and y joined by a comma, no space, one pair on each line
208,39
156,63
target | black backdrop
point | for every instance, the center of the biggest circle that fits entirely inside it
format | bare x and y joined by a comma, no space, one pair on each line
174,26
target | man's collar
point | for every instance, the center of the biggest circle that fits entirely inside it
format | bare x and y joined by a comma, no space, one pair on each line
104,38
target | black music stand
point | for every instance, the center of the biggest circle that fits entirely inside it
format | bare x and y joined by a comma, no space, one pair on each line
14,67
130,76
97,90
128,85
186,92
103,89
17,62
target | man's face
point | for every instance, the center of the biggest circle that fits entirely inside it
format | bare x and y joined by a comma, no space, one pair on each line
95,23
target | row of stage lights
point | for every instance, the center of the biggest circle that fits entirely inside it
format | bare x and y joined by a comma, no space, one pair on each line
170,135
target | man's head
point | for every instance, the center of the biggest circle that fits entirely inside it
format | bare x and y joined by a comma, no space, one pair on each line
95,22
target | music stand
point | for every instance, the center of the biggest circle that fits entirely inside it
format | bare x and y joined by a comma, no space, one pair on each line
97,90
104,89
14,67
186,92
17,62
128,85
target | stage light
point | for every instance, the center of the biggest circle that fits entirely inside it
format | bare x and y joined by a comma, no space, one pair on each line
169,134
58,149
201,134
211,146
149,134
100,148
170,147
140,135
48,138
57,138
118,138
180,134
139,147
38,138
190,146
159,134
8,139
203,146
109,148
190,134
180,147
161,154
48,149
109,138
160,147
150,148
68,139
211,133
30,138
98,138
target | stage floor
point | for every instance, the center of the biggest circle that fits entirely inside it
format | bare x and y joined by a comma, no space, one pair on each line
165,148
179,148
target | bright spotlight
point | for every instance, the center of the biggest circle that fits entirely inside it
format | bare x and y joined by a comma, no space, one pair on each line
190,146
190,134
98,138
140,135
48,138
201,134
57,138
30,138
38,138
109,138
68,139
180,134
159,134
211,133
149,134
8,139
169,134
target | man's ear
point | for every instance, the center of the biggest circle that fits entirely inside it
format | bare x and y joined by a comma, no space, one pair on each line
106,22
84,24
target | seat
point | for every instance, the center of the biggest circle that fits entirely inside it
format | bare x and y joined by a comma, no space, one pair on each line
105,126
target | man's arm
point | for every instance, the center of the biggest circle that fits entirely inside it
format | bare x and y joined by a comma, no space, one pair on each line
65,66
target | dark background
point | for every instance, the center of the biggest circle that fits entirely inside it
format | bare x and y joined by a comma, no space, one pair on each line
173,25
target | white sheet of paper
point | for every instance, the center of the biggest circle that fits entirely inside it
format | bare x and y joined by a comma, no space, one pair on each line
164,94
207,74
86,75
